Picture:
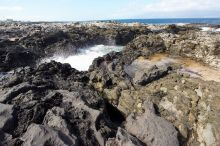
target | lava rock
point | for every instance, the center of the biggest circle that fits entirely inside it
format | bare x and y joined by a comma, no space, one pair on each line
16,56
150,43
124,139
7,121
156,130
42,135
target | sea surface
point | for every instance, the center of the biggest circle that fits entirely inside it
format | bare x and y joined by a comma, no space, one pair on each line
172,21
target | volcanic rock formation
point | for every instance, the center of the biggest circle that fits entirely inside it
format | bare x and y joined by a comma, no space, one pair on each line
141,96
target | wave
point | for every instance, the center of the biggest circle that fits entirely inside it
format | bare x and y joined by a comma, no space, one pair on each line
210,29
84,58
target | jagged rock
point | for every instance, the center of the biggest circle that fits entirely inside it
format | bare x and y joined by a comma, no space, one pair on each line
7,122
144,72
194,44
43,135
22,56
126,35
33,110
151,129
86,106
80,111
150,43
193,102
12,93
4,138
53,118
82,119
31,42
124,139
175,29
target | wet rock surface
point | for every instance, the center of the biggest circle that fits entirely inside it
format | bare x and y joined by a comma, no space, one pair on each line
126,98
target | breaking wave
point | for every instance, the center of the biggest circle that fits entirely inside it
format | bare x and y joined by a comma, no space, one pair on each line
210,29
84,58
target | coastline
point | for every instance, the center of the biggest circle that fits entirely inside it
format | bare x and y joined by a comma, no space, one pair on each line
160,79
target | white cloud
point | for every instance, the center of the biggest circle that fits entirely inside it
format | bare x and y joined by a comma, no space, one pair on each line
11,8
171,8
182,5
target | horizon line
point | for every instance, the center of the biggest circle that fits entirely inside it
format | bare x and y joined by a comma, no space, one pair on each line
168,18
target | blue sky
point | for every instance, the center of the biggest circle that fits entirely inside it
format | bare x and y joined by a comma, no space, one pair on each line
75,10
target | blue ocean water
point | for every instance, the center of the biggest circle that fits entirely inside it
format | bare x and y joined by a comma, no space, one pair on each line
173,21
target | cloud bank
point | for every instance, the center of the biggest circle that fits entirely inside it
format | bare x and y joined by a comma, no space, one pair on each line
73,10
11,8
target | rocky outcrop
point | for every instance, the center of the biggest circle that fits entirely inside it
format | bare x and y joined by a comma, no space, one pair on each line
6,117
125,98
39,41
151,129
42,135
198,45
5,138
181,100
157,82
61,113
123,138
142,72
9,54
150,43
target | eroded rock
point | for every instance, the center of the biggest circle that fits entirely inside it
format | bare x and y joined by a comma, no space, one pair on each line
151,129
54,104
124,139
42,135
7,121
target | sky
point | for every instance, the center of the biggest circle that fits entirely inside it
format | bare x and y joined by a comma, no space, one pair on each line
80,10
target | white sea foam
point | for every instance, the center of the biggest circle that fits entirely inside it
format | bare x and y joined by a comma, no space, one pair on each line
85,57
218,30
181,24
206,28
210,29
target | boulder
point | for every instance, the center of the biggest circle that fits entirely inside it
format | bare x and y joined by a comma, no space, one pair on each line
37,135
152,129
143,72
16,56
7,121
4,138
53,118
150,43
123,138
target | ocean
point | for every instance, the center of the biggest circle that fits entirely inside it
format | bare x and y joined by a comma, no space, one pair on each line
215,21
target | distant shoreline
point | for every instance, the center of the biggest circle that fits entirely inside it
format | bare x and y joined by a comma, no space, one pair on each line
215,21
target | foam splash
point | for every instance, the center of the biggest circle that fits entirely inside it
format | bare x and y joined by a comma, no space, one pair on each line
210,29
218,30
82,60
182,24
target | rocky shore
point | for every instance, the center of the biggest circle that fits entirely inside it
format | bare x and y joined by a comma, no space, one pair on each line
162,89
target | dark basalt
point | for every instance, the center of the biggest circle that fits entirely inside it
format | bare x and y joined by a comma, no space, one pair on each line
38,92
23,57
45,42
120,100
